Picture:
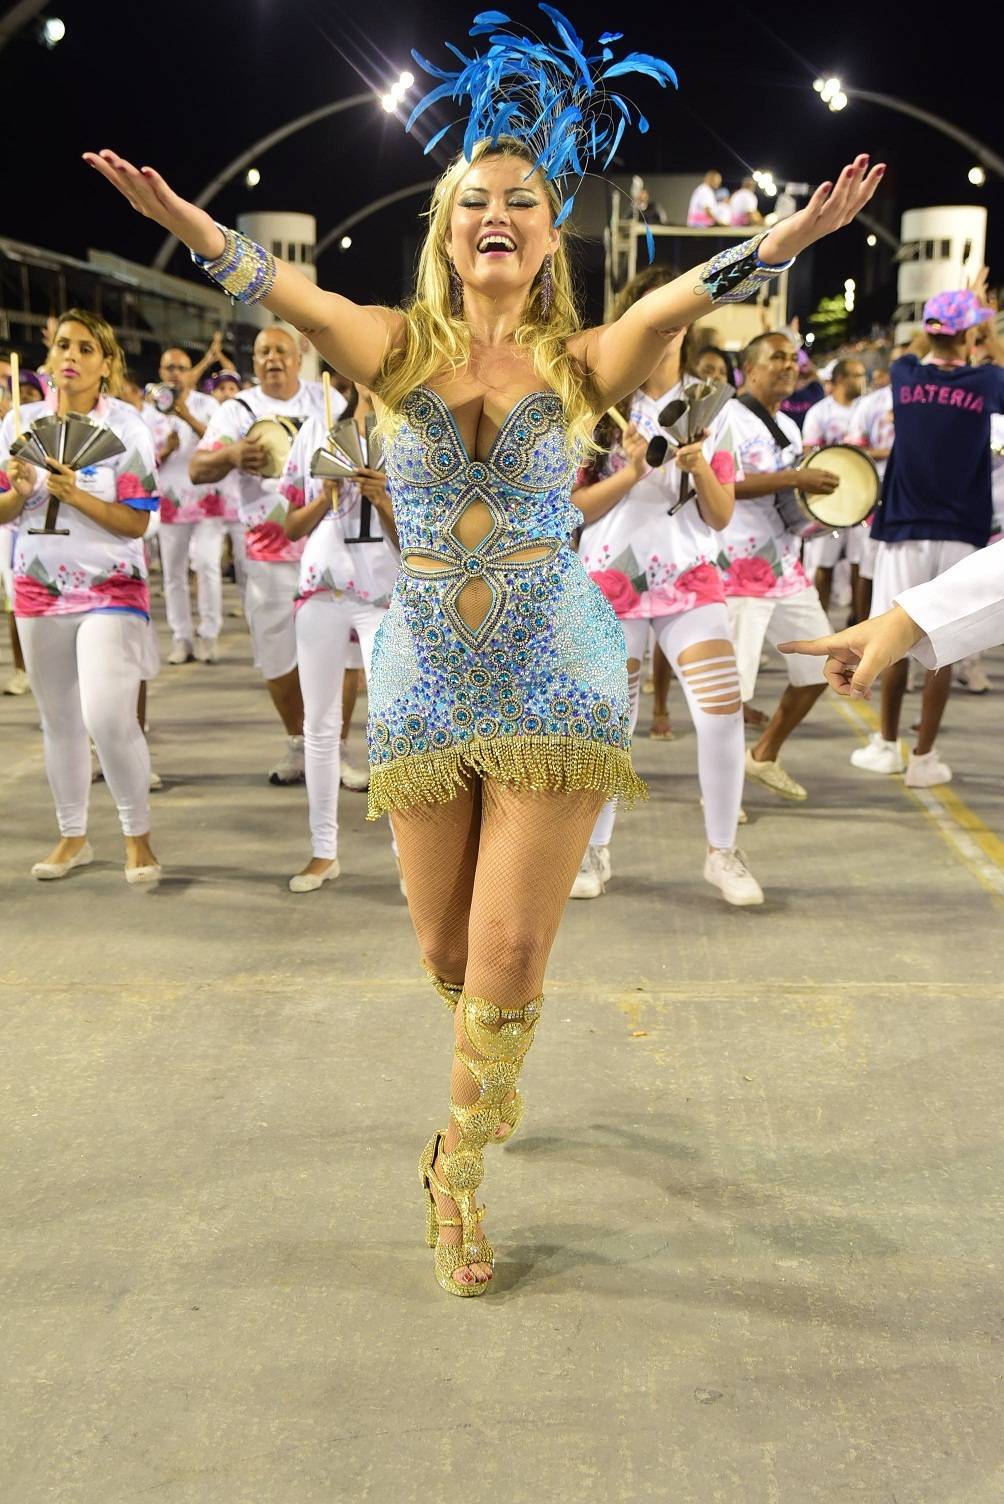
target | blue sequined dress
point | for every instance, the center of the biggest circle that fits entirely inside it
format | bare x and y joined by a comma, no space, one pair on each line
529,687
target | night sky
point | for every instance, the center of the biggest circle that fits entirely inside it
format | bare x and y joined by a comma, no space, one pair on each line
187,86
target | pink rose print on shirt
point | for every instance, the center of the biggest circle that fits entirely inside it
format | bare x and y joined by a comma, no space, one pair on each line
704,582
4,481
268,543
618,590
168,509
128,486
32,597
122,590
212,505
749,577
293,494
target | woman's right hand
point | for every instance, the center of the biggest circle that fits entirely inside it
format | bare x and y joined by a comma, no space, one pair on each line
150,196
23,477
635,444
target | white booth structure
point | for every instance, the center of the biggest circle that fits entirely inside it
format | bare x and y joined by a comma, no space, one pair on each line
293,237
942,249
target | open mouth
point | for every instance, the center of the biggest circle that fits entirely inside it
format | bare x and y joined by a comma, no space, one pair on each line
496,244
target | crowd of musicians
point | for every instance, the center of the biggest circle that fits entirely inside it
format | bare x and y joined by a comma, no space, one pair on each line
737,497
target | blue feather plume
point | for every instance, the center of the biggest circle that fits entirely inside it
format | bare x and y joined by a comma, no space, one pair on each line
553,97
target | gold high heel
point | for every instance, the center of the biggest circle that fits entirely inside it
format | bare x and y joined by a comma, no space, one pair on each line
511,1111
501,1036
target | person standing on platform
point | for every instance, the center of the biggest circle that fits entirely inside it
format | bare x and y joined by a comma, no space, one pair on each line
703,211
226,453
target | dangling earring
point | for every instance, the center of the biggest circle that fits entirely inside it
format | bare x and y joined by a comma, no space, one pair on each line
456,292
546,289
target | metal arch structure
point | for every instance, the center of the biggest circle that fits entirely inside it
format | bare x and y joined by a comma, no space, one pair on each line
984,154
245,159
17,17
374,208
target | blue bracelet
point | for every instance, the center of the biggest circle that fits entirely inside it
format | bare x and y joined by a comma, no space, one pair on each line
244,269
737,273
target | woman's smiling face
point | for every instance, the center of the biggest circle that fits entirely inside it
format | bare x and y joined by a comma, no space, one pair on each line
501,226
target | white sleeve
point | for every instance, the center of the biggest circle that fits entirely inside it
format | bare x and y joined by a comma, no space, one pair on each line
962,611
810,438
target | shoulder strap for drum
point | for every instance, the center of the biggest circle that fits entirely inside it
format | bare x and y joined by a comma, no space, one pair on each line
247,408
758,410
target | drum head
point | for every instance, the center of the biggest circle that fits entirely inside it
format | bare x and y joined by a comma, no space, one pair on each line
857,493
276,436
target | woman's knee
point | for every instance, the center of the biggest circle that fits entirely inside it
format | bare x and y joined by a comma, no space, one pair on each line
709,671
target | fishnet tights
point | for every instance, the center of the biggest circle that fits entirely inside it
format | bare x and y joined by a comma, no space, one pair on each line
488,876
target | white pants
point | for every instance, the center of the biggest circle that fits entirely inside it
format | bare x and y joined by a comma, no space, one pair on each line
824,551
756,618
721,746
239,550
268,604
85,673
916,561
202,542
323,625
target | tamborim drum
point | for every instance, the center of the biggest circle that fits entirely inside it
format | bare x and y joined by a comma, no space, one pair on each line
854,498
276,436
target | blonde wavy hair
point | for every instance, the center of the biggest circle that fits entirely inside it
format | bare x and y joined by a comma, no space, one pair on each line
437,339
109,346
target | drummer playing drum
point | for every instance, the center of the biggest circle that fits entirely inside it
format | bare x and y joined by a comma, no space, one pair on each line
228,447
765,584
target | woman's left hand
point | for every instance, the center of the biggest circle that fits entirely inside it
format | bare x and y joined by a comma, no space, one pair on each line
690,457
373,485
62,482
832,206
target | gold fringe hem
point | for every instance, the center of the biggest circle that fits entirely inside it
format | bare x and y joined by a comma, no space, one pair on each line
556,763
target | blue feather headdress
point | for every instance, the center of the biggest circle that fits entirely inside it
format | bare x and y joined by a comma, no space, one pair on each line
553,98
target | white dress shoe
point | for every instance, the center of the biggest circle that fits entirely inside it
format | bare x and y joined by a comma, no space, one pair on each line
309,882
47,872
148,874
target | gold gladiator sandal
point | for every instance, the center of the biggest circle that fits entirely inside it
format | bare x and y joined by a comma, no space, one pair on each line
501,1037
511,1110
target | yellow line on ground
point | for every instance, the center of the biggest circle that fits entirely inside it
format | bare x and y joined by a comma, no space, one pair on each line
972,842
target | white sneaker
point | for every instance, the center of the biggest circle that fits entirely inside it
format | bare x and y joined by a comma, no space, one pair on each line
970,673
204,650
357,779
181,651
290,767
589,880
309,882
17,684
728,871
878,755
926,771
156,782
773,776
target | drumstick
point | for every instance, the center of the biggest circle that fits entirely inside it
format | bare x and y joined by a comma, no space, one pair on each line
15,391
622,422
326,383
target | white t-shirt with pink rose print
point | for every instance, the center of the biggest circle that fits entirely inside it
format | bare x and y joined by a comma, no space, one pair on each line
828,422
347,552
758,555
646,562
91,569
260,506
872,424
180,499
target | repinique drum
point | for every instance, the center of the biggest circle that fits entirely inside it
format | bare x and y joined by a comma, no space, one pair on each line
853,500
276,437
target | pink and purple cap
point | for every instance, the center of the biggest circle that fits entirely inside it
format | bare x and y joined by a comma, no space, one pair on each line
952,312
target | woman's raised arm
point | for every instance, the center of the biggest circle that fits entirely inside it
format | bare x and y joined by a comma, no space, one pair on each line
620,356
352,338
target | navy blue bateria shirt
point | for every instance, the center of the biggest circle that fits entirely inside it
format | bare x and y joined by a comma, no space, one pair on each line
937,481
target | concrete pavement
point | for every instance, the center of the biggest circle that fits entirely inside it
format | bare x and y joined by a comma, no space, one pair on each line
749,1234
